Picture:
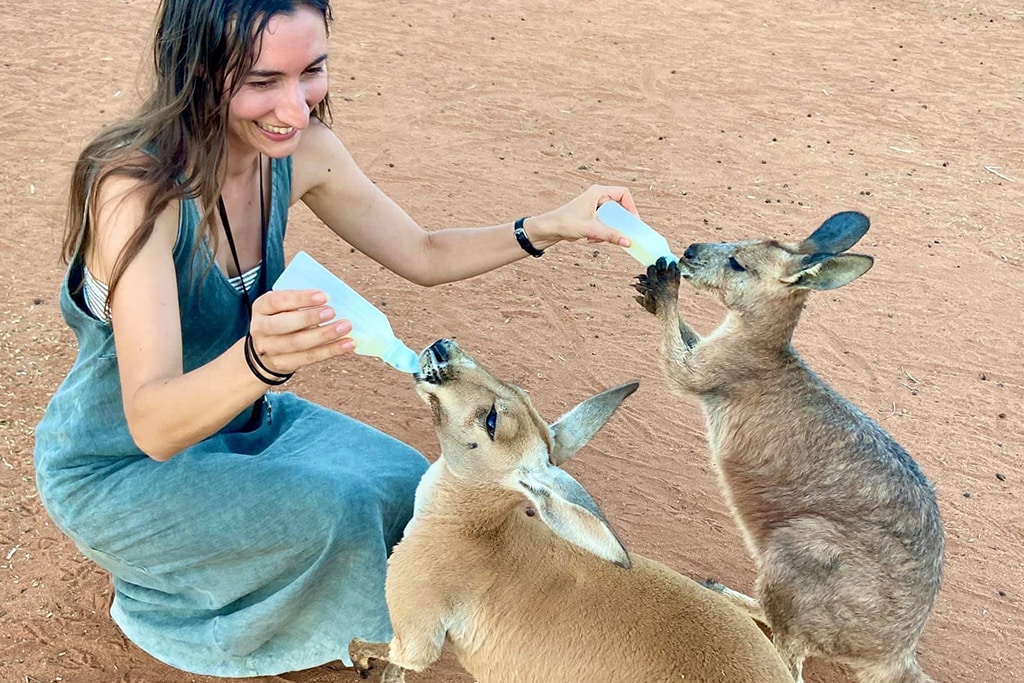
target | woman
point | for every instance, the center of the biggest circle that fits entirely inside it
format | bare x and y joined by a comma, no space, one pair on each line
247,533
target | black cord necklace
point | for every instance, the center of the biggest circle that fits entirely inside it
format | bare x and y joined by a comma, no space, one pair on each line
263,244
251,357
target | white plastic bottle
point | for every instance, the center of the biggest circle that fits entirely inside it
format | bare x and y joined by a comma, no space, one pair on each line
371,330
646,245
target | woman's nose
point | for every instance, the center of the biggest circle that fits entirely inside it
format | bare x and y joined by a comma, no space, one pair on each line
294,110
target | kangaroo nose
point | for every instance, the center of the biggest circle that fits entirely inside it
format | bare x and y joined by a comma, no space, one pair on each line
691,252
441,350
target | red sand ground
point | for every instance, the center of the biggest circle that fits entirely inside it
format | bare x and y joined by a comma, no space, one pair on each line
727,120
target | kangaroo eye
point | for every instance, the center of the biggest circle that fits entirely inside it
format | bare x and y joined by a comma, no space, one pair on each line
491,422
735,265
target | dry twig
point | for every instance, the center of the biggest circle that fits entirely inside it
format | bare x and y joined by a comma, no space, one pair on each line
995,171
909,388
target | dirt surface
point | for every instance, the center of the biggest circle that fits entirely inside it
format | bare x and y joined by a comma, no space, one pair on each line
727,120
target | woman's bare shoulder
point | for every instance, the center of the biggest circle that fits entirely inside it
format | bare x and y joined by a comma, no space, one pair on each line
119,204
119,187
320,159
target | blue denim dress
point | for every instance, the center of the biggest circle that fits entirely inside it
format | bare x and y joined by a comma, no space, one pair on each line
261,549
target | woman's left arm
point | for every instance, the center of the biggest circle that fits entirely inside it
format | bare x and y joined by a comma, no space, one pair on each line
327,179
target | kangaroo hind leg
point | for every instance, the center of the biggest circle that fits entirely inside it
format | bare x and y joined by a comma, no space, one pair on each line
903,669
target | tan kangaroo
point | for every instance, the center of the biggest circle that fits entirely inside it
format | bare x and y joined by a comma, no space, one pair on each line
510,561
842,525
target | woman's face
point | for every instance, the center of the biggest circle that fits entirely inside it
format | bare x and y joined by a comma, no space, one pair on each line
289,78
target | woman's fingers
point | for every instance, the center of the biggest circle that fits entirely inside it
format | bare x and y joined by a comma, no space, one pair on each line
601,232
287,322
290,329
280,301
596,195
290,352
588,203
300,340
316,354
618,194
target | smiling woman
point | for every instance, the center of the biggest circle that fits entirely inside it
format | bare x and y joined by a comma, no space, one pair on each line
273,105
246,532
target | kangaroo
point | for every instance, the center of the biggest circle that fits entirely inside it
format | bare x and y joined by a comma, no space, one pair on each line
842,525
509,559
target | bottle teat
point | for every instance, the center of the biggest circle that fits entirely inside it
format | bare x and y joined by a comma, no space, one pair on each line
401,357
646,245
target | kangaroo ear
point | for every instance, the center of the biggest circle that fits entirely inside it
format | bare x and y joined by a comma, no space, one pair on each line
573,430
837,234
569,511
821,271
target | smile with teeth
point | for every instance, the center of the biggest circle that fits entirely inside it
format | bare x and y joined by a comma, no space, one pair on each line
275,129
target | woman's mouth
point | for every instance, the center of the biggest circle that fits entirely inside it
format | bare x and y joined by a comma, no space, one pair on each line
275,130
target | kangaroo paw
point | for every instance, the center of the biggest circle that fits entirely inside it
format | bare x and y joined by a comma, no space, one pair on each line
362,652
393,674
659,286
746,603
711,584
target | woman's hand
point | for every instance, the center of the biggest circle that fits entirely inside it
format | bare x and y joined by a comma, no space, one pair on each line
578,219
288,332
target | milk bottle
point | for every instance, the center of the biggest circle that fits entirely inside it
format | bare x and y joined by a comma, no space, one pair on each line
646,245
371,330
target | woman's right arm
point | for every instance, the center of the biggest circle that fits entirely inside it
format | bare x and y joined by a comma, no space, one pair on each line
167,409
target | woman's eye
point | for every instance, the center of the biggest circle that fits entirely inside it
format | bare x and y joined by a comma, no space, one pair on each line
259,85
491,422
735,265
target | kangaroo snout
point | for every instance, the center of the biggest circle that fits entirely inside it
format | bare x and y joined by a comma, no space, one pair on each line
435,362
441,350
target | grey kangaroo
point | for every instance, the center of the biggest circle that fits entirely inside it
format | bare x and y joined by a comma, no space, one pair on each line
842,525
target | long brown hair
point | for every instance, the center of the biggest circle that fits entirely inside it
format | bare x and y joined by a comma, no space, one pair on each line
177,141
